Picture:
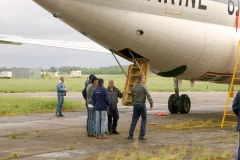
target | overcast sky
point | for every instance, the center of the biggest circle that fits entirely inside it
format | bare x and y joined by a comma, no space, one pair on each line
25,18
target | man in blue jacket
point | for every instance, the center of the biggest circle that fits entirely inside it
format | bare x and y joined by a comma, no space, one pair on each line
101,102
235,108
61,92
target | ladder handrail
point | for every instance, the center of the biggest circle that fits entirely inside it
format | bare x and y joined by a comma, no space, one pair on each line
136,62
119,64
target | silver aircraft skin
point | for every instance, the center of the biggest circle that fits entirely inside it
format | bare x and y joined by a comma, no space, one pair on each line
187,39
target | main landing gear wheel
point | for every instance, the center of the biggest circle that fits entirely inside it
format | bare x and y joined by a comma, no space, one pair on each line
172,104
177,104
184,104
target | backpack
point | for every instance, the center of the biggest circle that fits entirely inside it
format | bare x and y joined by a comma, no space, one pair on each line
84,93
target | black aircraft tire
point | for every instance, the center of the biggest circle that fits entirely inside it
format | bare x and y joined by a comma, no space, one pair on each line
184,104
172,107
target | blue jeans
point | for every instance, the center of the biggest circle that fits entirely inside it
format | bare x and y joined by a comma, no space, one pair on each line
59,105
139,110
87,113
101,116
91,121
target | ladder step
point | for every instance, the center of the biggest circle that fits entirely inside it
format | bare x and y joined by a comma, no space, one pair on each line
134,75
230,115
237,71
237,78
230,122
136,67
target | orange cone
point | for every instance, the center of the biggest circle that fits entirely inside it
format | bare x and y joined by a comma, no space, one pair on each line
161,114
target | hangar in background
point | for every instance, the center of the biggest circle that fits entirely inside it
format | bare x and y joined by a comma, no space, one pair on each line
29,73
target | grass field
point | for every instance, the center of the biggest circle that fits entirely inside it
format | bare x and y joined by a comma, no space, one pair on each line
10,106
154,83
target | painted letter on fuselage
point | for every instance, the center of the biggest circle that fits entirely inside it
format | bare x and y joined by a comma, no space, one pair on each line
200,6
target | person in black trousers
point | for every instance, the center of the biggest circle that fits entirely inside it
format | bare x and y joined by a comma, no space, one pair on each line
113,115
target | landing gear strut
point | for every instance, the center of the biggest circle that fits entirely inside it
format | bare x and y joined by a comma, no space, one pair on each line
177,104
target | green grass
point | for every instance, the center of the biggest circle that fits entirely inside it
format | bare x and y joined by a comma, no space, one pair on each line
154,83
25,105
71,146
14,155
166,153
190,124
14,136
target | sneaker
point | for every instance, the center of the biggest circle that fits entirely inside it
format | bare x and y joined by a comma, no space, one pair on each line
104,137
142,138
61,115
57,115
115,132
130,137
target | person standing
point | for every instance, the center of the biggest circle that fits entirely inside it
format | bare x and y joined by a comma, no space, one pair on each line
139,94
101,102
84,94
91,109
236,108
113,115
61,92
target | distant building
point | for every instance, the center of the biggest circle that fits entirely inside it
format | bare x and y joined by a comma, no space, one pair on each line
76,74
29,73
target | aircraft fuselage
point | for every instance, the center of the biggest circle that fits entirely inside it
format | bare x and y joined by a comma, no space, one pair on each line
200,35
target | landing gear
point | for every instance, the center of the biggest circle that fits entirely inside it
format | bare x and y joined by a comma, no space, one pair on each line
172,104
184,104
177,104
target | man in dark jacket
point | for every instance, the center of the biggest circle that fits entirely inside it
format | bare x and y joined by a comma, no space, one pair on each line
235,108
101,101
113,115
139,94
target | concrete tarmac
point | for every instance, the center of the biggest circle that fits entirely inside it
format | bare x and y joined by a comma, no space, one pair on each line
29,130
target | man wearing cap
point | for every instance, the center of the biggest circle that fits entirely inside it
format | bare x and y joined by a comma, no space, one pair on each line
101,102
91,109
84,93
139,94
113,115
61,92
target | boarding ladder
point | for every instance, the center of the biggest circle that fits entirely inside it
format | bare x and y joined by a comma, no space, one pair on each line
139,67
228,116
132,77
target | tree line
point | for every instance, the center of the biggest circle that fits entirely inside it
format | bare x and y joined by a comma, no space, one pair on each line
65,70
113,70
